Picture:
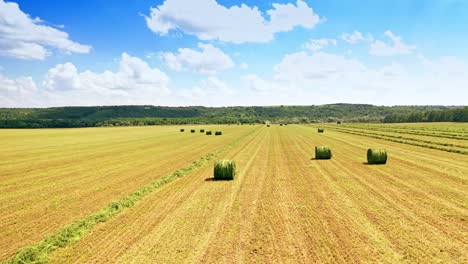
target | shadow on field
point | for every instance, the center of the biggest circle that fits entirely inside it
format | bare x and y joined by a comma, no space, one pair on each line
319,159
213,179
369,164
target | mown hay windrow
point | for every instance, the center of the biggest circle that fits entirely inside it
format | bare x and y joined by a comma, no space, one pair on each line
320,130
322,152
224,169
208,132
376,156
218,133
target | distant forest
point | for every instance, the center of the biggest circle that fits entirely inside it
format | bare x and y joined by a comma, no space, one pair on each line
56,117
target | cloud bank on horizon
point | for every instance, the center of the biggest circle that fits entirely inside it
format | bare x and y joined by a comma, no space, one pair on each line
233,52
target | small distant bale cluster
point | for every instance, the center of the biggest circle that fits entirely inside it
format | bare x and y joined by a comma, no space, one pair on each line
322,152
208,132
202,130
320,130
224,170
218,133
376,156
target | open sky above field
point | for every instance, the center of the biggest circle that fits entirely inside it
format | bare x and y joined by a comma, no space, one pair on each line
214,53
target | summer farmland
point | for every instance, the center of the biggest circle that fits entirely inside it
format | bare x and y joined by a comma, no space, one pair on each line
148,194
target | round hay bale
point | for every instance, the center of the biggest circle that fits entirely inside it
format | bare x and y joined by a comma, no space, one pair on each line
320,130
268,125
202,130
182,130
218,133
376,156
192,131
322,152
208,132
224,170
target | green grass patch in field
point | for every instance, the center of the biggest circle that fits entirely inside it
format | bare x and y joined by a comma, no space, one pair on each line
224,170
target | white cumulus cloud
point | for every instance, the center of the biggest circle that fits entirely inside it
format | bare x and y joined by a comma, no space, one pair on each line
211,91
396,47
355,37
210,60
319,44
23,37
133,75
209,20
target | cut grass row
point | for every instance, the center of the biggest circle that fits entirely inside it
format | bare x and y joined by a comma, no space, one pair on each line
412,132
366,134
403,137
39,252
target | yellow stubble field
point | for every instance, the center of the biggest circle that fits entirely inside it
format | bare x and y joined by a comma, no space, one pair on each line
282,207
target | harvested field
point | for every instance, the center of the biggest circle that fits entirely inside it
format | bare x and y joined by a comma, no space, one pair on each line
282,207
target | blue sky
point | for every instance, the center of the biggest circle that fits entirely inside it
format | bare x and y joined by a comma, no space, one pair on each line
215,53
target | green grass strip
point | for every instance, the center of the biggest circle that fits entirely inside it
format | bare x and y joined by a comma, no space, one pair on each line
39,252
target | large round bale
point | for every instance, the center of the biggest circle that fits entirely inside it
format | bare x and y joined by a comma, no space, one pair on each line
202,130
224,170
218,133
208,132
322,152
268,125
182,130
376,156
320,130
192,131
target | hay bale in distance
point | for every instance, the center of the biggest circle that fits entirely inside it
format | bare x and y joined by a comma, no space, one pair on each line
218,133
202,130
268,125
208,132
320,130
182,130
192,131
376,156
322,152
224,169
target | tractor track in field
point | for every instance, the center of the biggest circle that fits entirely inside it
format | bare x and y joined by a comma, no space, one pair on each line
74,231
